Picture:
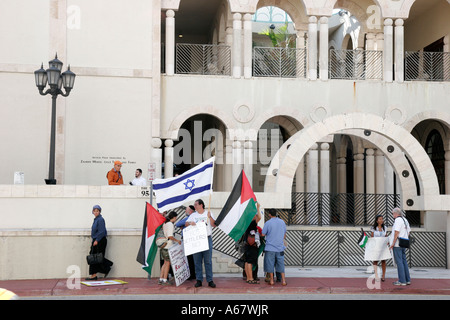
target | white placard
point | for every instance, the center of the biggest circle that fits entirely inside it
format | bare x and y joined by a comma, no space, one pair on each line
19,177
195,238
179,263
377,249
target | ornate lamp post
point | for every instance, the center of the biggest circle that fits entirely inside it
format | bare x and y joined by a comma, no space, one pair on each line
55,80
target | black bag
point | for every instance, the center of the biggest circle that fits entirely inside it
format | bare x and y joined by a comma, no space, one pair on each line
94,258
403,243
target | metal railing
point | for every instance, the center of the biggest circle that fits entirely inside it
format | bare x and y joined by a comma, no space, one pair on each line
203,59
279,62
356,64
345,209
427,66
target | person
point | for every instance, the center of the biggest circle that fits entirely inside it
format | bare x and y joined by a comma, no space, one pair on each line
181,224
400,229
203,257
274,231
139,180
379,230
114,175
99,242
168,228
251,249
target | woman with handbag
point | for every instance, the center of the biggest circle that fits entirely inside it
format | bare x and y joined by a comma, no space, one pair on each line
96,259
400,230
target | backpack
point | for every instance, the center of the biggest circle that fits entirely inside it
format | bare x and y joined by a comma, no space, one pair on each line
161,240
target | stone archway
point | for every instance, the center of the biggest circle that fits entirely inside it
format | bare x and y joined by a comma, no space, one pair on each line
281,172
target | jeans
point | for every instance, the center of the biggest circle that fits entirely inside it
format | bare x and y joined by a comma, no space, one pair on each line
273,260
206,258
402,265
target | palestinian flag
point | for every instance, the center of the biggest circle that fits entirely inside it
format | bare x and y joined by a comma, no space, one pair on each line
153,221
239,209
362,241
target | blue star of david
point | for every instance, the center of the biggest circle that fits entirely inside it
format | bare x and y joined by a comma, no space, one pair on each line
189,184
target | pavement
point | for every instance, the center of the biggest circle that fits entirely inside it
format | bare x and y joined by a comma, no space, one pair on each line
344,280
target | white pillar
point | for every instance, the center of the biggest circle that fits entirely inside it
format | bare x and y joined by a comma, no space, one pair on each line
399,50
312,184
379,41
388,50
228,167
300,46
247,46
248,161
358,168
237,161
312,48
170,42
370,171
342,188
325,182
379,181
156,156
168,159
300,177
237,40
323,56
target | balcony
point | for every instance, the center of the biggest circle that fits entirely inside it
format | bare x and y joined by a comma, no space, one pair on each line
201,59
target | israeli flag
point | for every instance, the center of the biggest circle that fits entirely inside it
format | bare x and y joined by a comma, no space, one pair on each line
188,187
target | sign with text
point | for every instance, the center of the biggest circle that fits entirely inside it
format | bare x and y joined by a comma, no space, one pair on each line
179,264
377,249
195,238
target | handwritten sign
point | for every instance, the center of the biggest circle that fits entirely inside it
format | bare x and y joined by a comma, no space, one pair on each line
195,238
179,264
377,249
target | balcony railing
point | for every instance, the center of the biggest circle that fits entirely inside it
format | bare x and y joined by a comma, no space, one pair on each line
203,59
427,66
279,62
208,59
356,64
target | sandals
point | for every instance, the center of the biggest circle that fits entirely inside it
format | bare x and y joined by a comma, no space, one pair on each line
252,281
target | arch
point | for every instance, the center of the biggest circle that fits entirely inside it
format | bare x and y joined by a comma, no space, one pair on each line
297,13
287,159
298,118
177,122
439,116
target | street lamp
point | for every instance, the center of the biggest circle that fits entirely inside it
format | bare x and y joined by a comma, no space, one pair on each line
55,80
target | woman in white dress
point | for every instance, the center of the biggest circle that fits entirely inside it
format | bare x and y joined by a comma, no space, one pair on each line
379,230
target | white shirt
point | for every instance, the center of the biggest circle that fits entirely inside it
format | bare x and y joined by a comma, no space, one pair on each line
402,226
168,232
139,182
196,217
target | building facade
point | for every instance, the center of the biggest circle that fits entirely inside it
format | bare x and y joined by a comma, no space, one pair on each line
352,98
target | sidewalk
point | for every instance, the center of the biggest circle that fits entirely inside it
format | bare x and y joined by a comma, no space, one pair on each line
349,280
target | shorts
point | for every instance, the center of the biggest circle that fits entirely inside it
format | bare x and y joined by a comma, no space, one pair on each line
273,260
165,254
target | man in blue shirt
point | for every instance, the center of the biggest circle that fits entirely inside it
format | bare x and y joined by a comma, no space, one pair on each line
275,231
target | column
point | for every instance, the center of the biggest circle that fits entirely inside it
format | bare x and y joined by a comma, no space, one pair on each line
247,46
237,161
370,185
371,58
170,42
228,166
236,50
379,182
323,56
358,168
388,50
399,50
447,171
312,48
312,184
301,61
342,189
248,161
325,182
446,49
168,159
156,156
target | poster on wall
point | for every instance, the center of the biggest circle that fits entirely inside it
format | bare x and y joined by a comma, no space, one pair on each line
179,264
195,238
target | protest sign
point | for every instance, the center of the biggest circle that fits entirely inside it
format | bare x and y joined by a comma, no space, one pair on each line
195,239
179,264
377,249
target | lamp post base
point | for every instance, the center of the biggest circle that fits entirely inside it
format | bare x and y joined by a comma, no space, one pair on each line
50,181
